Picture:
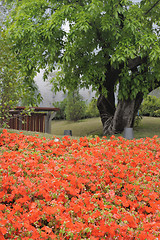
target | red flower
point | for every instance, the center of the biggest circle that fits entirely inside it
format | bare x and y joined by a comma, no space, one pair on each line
80,189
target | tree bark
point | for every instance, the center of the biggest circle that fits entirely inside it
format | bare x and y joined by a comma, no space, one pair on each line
123,116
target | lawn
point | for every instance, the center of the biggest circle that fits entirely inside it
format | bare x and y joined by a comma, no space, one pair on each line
86,188
149,127
85,127
93,126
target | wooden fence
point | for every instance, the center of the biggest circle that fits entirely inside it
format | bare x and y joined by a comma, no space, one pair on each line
39,120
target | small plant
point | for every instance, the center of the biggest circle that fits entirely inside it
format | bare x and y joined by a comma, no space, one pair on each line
137,120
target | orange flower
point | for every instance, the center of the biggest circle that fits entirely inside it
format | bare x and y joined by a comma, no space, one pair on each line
84,189
1,236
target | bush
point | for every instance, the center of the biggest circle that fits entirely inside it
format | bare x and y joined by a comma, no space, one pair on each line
75,108
156,113
137,120
91,109
61,113
150,106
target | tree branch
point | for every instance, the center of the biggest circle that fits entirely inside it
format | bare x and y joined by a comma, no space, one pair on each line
132,63
156,3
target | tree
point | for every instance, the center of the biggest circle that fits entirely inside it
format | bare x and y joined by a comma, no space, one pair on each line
13,87
10,80
75,106
108,44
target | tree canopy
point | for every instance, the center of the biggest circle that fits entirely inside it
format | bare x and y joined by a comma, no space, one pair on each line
107,43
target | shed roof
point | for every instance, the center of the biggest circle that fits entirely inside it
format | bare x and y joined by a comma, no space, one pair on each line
39,109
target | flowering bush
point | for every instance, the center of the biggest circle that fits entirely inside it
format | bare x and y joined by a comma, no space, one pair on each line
79,189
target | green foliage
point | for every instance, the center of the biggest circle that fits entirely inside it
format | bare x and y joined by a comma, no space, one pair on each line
31,95
156,113
150,106
91,109
16,86
101,33
62,106
137,120
13,90
75,107
10,80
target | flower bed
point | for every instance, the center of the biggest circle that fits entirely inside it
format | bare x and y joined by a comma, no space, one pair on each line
86,189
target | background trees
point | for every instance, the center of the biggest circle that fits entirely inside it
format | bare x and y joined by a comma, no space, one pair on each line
108,43
75,106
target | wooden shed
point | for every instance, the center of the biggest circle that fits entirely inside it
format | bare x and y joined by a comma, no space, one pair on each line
39,119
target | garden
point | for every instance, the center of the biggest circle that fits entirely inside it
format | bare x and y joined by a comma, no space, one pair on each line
86,188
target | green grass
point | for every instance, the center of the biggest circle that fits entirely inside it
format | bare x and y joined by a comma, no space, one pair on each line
41,135
149,127
86,127
93,127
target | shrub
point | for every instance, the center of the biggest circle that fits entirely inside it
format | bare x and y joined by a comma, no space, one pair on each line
137,120
61,113
91,109
75,107
156,113
149,106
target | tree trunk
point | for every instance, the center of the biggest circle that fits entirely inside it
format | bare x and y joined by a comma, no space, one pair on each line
114,120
